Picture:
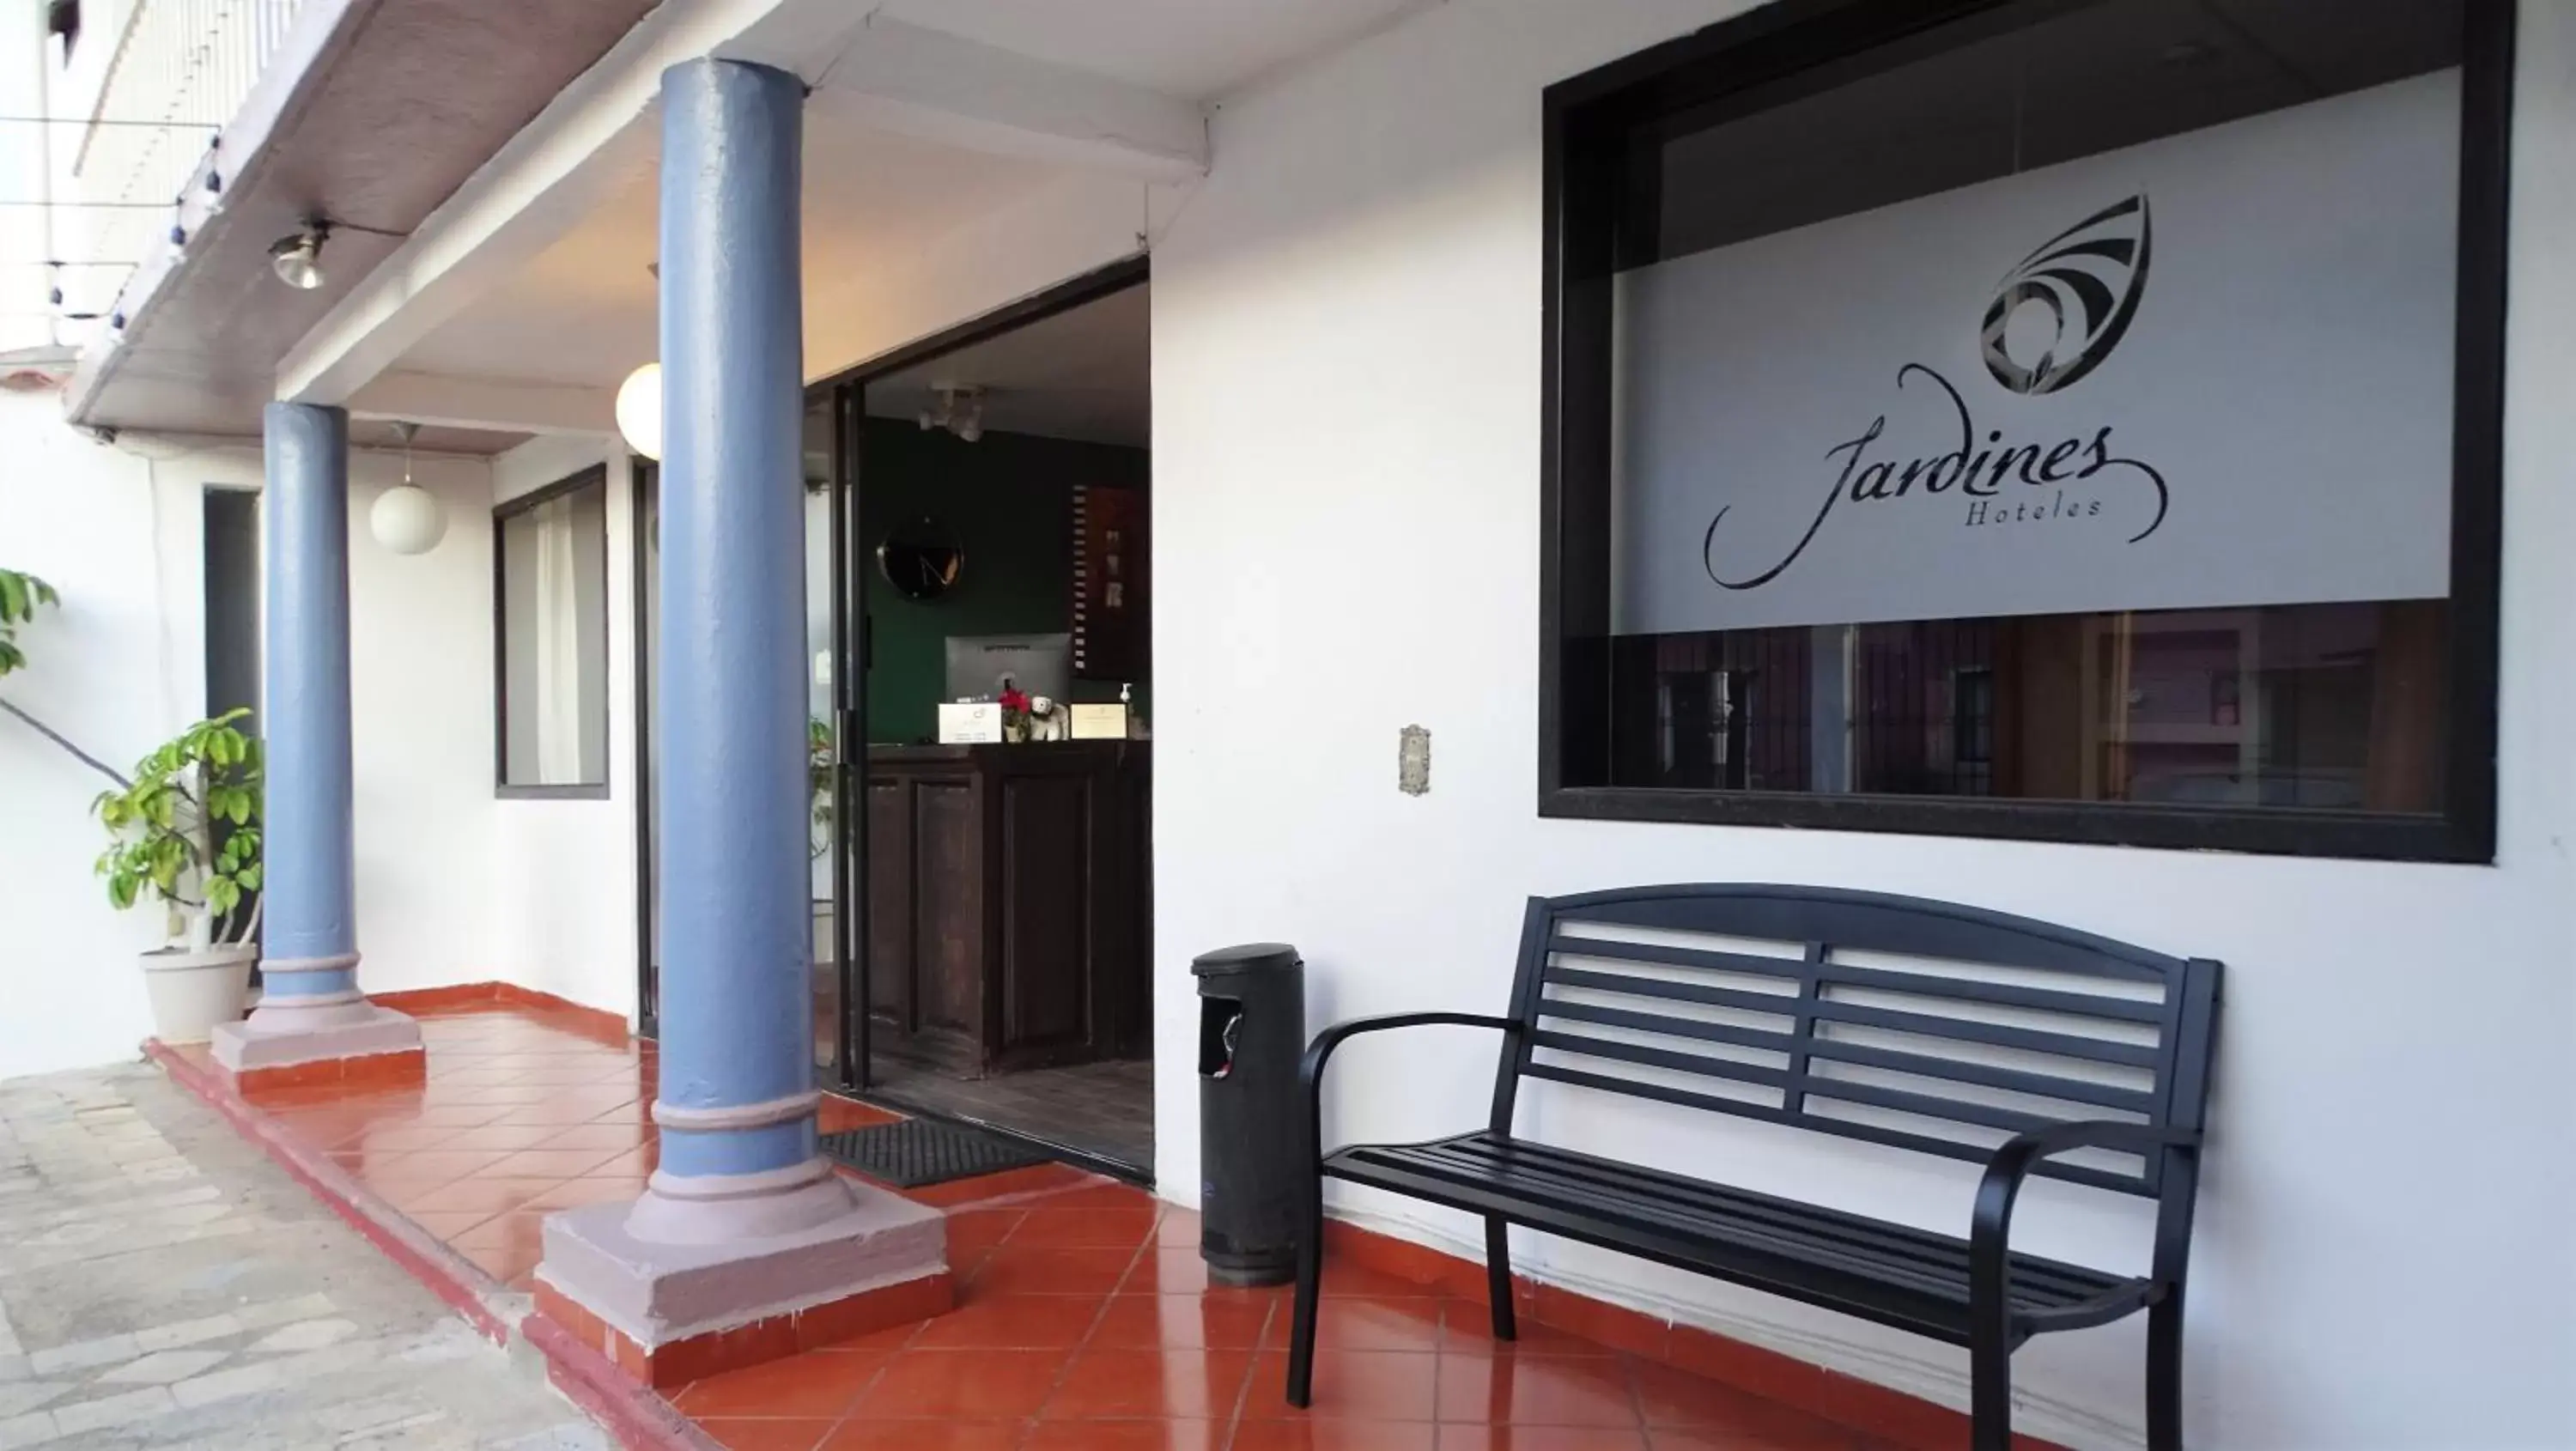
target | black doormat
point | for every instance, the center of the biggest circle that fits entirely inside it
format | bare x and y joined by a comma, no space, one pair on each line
912,1152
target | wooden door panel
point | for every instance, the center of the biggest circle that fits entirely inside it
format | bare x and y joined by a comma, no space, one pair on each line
948,930
1046,852
889,889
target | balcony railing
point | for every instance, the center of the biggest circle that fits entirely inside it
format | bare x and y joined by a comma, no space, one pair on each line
179,71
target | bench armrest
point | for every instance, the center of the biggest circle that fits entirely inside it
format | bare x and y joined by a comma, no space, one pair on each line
1310,1069
1990,1227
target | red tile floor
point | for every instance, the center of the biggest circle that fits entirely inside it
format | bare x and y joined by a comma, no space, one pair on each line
1086,1322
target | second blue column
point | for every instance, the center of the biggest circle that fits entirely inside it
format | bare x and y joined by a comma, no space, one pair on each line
736,1101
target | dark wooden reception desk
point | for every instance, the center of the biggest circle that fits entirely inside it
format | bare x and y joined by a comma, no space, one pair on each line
1008,903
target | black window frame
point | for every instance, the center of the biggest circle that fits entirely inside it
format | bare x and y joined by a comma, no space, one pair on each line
503,788
1820,43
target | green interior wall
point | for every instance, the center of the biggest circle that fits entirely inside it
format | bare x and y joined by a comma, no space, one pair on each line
1009,499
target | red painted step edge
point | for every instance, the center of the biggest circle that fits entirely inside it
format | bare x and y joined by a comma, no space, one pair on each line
638,1418
643,1421
450,1276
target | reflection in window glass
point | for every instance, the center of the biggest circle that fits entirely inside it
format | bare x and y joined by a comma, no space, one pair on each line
2323,707
553,574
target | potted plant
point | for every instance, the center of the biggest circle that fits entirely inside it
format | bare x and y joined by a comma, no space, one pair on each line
184,833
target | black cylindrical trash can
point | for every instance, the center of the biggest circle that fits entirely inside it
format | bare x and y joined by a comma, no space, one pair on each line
1252,1030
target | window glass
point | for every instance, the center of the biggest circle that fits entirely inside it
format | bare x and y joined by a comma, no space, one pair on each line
822,744
553,574
2056,405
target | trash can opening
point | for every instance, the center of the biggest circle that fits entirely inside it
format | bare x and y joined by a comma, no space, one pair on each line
1220,1034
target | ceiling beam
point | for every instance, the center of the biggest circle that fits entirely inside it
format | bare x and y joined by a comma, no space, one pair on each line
446,401
587,142
938,87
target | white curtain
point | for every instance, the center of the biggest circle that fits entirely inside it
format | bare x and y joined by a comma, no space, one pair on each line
559,616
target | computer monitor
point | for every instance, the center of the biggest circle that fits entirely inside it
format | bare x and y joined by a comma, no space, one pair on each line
978,665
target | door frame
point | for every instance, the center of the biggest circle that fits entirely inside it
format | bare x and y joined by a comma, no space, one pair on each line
846,392
848,714
643,481
850,619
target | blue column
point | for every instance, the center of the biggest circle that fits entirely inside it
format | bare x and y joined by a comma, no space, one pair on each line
309,923
737,922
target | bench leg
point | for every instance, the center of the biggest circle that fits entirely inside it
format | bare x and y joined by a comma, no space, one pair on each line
1310,1275
2164,1373
1990,1393
1498,1277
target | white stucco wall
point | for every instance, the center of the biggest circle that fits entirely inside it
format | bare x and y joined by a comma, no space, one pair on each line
563,897
119,530
117,669
420,707
1346,366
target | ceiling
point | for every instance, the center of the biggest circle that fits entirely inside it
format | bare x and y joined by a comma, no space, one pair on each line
1084,374
1197,50
378,434
877,203
414,95
584,312
401,101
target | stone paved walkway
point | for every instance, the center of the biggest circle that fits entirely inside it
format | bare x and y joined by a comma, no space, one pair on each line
163,1284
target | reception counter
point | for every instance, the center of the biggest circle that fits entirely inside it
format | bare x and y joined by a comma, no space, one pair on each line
1008,892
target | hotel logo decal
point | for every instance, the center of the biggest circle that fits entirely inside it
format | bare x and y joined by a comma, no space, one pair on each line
2088,279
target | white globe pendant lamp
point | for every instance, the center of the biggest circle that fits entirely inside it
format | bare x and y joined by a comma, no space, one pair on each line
407,519
639,410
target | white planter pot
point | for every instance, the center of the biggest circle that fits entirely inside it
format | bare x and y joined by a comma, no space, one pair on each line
193,991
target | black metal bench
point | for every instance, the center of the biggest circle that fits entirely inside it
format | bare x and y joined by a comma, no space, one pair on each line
1922,1025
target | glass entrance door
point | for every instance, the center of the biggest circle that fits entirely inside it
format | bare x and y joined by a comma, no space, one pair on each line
836,742
832,745
1003,472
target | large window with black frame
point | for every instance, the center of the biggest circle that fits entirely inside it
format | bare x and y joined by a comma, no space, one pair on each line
2065,420
550,639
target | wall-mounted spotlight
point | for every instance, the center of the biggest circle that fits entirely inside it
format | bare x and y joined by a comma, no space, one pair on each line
297,257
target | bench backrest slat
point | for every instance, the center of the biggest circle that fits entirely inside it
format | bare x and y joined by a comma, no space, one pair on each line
1917,1024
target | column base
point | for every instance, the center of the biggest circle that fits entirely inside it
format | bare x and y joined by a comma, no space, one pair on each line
669,1313
355,1043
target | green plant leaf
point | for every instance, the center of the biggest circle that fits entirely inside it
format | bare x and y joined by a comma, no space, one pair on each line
159,825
